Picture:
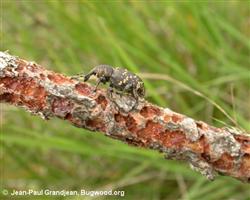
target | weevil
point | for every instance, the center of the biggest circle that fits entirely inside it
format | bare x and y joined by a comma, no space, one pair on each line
120,79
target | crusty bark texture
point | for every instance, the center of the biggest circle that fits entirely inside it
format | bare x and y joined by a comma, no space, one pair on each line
207,149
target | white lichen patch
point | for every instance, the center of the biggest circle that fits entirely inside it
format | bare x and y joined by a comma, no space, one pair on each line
81,113
125,102
112,127
6,60
160,120
97,111
189,128
167,111
67,91
202,166
171,126
221,142
196,163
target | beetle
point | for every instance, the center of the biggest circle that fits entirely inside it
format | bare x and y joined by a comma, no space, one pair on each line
119,79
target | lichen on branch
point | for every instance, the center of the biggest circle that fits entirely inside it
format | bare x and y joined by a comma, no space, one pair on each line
208,149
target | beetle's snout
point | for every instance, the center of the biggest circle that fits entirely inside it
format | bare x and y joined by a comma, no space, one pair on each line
87,76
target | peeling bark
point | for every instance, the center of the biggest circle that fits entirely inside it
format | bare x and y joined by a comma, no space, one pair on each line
207,149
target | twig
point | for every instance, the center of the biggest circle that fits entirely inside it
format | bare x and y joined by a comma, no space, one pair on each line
207,149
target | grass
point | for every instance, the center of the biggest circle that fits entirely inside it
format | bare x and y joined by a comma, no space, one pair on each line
193,56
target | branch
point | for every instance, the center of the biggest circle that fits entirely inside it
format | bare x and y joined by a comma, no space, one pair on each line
207,149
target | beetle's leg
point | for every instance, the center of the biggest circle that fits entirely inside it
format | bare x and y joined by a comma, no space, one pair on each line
134,91
136,96
101,80
110,90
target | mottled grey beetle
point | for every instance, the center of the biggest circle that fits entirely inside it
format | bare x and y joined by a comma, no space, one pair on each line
119,79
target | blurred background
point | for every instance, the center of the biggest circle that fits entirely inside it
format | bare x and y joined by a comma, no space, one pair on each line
193,57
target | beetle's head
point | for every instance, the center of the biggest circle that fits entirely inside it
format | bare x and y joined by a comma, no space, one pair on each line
103,70
100,71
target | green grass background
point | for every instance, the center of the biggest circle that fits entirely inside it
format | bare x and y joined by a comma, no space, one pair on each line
194,58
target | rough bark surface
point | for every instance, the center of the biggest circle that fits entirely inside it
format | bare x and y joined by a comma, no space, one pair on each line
207,149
